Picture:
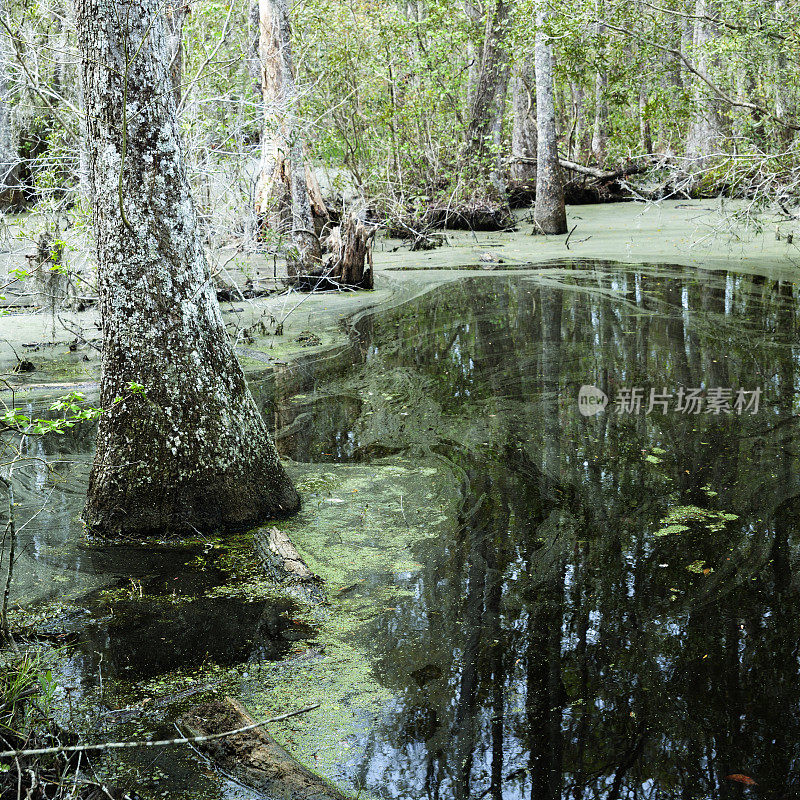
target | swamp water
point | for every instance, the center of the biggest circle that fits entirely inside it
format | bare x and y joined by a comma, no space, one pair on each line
525,602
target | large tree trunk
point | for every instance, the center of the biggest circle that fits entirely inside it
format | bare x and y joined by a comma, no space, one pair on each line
486,114
523,132
193,453
705,130
549,215
287,196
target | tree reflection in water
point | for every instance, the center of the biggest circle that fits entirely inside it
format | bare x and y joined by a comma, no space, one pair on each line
556,646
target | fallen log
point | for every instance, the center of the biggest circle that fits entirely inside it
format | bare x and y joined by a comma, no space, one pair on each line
474,215
254,757
285,565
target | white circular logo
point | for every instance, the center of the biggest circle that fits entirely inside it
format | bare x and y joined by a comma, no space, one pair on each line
591,400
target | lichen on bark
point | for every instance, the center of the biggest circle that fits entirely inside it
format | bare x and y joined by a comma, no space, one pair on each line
193,452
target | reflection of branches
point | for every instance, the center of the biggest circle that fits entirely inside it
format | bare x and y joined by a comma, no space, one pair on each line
11,532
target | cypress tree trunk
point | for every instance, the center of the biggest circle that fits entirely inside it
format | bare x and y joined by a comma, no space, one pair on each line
193,453
549,215
287,194
523,132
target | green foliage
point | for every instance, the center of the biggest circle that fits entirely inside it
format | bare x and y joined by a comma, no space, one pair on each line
71,407
27,689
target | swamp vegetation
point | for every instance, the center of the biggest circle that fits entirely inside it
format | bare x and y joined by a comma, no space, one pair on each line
400,400
521,599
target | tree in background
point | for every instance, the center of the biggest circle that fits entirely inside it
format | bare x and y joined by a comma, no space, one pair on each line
549,215
287,196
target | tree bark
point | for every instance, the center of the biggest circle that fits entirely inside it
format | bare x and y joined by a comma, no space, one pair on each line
176,15
705,129
486,114
549,215
10,185
600,128
287,196
193,452
523,132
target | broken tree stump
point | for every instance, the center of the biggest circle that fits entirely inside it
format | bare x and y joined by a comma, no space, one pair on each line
347,259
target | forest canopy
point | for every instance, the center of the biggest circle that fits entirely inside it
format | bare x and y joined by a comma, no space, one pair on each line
702,93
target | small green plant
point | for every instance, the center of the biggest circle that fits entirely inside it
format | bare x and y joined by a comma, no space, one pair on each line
73,410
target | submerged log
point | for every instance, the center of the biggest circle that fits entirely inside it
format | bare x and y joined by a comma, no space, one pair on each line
254,757
285,565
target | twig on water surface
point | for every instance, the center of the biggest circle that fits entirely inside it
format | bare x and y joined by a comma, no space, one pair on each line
41,751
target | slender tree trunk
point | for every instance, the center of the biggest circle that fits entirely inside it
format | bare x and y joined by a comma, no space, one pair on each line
498,117
193,452
784,108
486,116
10,188
176,16
578,121
523,133
600,128
287,195
705,129
549,215
645,136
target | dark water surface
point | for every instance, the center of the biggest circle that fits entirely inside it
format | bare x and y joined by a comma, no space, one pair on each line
616,613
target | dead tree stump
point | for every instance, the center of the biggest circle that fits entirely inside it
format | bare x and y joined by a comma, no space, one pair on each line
347,262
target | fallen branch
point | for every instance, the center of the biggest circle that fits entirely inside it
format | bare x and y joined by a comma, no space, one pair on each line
43,751
285,565
603,176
